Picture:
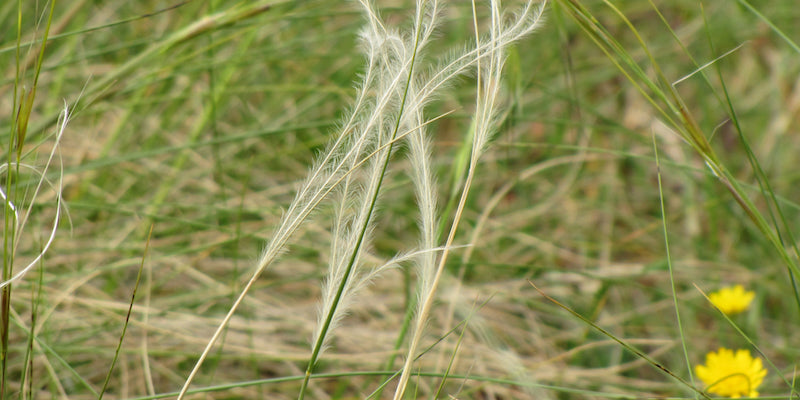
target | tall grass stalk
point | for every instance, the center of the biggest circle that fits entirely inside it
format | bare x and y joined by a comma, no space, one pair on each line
492,53
14,222
668,256
14,231
350,231
127,316
26,383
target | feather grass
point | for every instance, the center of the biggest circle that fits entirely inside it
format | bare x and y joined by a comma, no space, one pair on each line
492,50
389,105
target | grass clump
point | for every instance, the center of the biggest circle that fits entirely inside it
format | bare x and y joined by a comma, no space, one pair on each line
620,158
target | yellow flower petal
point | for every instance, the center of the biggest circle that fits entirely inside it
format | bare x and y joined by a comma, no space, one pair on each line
731,374
732,300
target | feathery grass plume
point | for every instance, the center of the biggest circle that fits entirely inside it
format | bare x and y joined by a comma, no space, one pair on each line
387,108
389,61
20,219
15,226
489,57
396,64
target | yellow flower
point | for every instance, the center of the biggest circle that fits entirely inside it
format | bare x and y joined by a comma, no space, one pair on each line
732,300
731,375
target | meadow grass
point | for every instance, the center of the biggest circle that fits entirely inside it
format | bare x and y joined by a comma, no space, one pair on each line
275,199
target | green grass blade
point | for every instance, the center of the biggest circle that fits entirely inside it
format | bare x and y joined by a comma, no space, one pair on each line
127,316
